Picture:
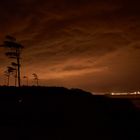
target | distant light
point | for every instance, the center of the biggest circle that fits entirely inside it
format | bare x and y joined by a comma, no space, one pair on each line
133,93
112,93
20,100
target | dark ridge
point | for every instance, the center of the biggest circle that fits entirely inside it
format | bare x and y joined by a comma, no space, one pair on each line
58,113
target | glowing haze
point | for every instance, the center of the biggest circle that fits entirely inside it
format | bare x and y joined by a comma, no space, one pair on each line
89,44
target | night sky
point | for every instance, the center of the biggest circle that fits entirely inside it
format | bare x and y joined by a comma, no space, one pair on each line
89,44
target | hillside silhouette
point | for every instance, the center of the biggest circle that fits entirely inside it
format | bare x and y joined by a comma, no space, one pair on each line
57,113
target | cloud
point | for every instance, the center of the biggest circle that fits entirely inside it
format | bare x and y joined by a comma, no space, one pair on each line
67,41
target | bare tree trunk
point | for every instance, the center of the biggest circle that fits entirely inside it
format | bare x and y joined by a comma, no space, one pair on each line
16,78
18,63
19,74
8,79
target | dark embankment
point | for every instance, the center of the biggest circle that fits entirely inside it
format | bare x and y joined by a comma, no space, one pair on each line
52,113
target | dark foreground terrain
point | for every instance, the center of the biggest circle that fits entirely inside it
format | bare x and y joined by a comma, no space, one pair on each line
40,113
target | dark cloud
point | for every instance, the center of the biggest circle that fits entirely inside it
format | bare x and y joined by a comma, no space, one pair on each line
86,43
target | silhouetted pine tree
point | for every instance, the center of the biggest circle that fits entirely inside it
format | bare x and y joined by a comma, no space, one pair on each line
15,65
8,72
36,78
14,53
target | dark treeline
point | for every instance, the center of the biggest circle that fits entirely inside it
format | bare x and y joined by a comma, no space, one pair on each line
57,113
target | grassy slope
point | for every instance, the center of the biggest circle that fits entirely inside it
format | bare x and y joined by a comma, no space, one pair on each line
59,113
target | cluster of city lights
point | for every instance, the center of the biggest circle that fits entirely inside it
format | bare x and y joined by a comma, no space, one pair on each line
133,93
